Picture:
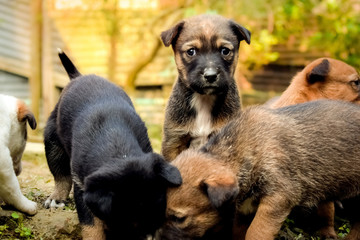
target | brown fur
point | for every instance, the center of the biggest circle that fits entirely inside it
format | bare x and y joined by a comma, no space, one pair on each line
95,232
208,36
271,156
322,78
24,114
62,189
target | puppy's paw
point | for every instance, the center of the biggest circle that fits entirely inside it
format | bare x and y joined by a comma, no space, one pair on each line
328,232
53,203
28,206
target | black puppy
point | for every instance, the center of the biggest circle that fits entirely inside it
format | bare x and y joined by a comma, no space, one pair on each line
95,138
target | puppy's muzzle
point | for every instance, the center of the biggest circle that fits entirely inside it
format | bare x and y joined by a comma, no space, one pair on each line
211,75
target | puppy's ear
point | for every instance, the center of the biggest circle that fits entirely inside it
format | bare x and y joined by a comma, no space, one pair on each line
171,174
31,120
167,171
220,188
24,114
170,36
319,72
241,32
96,198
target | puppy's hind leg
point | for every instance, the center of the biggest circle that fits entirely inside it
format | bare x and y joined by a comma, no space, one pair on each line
9,188
59,165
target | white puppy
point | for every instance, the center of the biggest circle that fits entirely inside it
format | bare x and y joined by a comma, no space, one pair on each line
13,117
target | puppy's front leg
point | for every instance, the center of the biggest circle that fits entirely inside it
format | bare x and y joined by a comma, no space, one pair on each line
174,144
9,188
92,227
270,215
93,232
326,212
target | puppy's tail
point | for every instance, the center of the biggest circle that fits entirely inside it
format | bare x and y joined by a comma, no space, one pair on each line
70,68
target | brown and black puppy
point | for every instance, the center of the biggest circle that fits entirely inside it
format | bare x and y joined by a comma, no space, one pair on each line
268,161
322,78
205,95
95,138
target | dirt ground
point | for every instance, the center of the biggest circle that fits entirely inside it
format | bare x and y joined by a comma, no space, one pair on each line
37,183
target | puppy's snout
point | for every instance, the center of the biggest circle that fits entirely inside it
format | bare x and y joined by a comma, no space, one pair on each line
210,75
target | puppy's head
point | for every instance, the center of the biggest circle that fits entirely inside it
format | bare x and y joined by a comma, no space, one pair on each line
131,197
206,51
333,79
204,203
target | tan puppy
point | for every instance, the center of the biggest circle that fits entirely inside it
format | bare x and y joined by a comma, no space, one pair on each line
267,161
322,78
205,95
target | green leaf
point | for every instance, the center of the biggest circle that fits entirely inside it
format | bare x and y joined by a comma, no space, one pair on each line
15,215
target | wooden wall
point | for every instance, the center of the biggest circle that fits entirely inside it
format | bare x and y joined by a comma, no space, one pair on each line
84,33
15,47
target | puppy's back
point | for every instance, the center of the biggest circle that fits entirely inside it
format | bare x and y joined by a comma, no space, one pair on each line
309,152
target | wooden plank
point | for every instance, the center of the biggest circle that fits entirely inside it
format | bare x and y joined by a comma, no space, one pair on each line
35,55
48,93
14,65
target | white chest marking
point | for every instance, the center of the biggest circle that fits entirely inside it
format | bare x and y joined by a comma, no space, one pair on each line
202,126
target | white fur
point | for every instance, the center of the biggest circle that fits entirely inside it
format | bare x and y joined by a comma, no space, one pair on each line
202,126
12,145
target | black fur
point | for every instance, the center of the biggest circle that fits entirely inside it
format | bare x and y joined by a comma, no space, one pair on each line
95,131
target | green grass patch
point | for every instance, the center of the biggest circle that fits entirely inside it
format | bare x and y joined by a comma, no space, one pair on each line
12,227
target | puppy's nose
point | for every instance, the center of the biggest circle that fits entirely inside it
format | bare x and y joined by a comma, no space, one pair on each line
210,75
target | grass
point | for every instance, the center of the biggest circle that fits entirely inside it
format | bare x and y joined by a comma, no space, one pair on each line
155,135
12,227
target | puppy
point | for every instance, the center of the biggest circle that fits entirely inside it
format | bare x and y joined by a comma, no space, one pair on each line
267,161
95,138
322,78
13,135
205,95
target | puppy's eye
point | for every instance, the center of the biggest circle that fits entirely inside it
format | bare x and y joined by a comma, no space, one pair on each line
177,219
191,52
225,51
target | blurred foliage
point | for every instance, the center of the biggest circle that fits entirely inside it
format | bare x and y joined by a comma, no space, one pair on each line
328,26
332,26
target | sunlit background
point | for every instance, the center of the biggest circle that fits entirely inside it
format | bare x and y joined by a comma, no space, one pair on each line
119,40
